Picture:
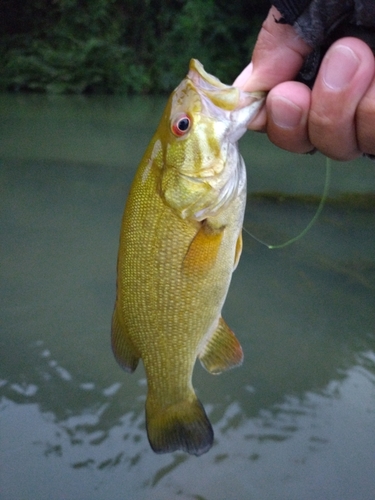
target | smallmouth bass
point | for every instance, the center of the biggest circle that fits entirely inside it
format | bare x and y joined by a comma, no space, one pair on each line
180,242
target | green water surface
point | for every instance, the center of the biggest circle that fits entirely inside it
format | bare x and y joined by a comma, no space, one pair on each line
295,422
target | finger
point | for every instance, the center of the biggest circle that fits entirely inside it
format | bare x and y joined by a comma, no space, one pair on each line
278,56
342,81
288,106
365,121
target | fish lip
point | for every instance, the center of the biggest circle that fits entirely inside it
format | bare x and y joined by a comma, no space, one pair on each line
199,75
212,88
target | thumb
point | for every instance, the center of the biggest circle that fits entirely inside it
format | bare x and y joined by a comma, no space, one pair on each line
278,56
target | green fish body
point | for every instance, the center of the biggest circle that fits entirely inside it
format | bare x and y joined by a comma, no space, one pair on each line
180,242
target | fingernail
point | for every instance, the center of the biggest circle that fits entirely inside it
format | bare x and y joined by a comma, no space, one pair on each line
285,113
243,77
340,67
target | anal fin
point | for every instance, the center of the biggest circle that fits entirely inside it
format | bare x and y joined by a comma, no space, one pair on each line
123,349
222,350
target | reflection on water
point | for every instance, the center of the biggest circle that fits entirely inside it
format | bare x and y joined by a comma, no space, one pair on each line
295,421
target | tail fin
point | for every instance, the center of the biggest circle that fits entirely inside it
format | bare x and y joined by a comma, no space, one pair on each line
182,426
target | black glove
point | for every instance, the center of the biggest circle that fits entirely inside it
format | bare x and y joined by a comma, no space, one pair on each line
321,22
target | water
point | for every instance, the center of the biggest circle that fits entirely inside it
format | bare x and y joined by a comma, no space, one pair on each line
295,421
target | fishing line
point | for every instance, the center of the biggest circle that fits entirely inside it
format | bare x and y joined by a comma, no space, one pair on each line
313,220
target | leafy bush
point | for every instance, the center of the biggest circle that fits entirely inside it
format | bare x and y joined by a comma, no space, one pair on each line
127,46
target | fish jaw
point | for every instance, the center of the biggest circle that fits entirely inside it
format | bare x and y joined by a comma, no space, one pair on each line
225,102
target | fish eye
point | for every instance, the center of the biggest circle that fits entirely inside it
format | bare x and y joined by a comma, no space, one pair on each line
181,125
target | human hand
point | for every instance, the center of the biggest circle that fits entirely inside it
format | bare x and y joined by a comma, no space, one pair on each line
337,116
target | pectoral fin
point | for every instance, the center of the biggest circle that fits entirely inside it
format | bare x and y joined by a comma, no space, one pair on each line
203,249
123,349
222,351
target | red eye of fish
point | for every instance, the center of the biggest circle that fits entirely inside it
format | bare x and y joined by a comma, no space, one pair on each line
181,125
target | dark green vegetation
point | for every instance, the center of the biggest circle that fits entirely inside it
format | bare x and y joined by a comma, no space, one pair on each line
122,46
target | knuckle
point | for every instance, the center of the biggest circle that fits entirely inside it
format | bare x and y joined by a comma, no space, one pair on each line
290,140
333,134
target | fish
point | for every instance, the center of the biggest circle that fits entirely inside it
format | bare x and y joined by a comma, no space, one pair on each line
180,242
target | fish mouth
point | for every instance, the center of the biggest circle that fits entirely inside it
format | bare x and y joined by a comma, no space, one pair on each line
199,76
225,97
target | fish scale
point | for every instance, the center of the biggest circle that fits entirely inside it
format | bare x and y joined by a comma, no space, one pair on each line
180,241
